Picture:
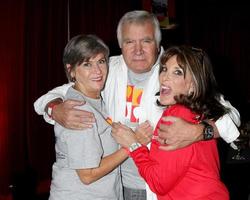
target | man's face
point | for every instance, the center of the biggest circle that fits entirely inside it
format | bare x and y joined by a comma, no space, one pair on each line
139,47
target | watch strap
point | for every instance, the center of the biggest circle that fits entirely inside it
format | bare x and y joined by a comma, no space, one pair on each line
134,146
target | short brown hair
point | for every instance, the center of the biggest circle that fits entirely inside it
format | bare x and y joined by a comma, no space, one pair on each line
81,48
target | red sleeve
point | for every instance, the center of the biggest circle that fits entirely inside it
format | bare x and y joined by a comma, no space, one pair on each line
162,170
182,112
162,174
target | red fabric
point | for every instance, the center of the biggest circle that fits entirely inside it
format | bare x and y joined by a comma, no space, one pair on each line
188,173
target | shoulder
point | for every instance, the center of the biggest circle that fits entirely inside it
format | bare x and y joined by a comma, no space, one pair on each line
115,59
116,63
177,110
181,111
74,95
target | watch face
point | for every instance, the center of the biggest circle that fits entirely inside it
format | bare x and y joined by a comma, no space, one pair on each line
208,132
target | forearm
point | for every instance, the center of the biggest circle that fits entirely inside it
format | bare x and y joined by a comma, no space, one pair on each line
107,164
224,128
54,102
198,130
41,103
182,133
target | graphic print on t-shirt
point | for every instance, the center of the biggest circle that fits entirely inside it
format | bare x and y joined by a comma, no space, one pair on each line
133,100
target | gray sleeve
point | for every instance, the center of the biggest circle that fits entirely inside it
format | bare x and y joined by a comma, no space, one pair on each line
84,148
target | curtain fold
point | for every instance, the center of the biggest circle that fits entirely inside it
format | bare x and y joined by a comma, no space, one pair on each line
32,38
12,15
33,35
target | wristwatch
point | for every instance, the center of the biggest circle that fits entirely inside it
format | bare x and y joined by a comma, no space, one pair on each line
208,131
134,146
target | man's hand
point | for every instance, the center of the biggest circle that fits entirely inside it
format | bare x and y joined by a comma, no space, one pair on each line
178,134
68,116
144,133
123,134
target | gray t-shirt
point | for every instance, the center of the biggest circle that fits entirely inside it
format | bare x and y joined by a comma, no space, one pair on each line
130,175
82,149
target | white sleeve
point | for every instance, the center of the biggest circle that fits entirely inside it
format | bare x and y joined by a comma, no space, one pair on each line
41,102
227,124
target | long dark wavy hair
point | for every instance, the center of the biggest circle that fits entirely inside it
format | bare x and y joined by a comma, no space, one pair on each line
205,100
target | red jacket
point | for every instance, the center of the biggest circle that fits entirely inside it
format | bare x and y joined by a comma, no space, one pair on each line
187,174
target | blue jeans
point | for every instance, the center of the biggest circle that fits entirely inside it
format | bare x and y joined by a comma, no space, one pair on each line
134,194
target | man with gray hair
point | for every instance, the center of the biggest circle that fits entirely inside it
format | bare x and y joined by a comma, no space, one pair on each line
130,96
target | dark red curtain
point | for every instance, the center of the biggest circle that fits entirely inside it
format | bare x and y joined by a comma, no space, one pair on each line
100,18
222,28
12,15
33,35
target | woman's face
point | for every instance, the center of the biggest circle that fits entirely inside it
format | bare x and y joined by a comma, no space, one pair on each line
173,83
91,76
